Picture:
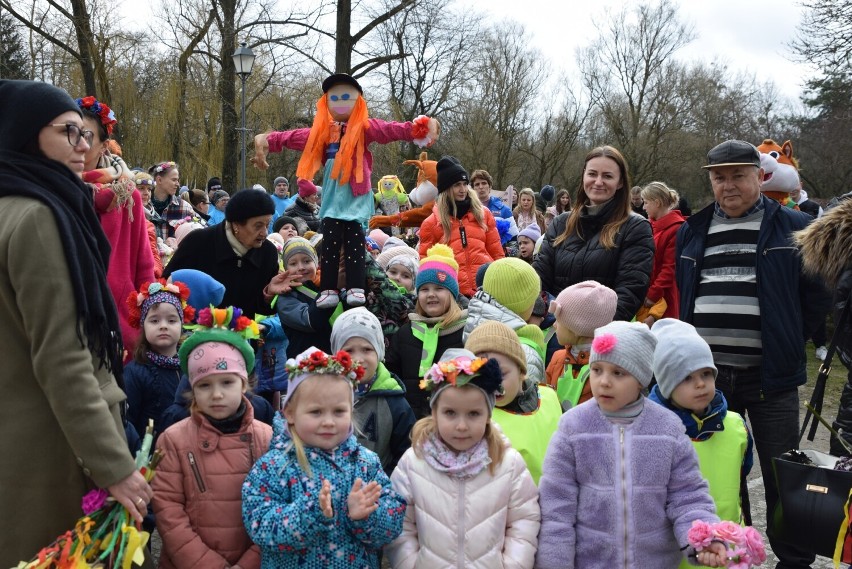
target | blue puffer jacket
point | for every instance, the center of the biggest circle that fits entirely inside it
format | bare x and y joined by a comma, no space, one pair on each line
782,289
282,514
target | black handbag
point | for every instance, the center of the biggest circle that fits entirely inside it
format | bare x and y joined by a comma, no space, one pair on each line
812,497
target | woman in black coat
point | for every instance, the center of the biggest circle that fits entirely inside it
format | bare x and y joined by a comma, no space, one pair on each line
236,253
600,239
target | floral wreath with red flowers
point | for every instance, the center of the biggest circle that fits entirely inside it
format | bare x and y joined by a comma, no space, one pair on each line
105,113
136,299
230,318
457,371
319,363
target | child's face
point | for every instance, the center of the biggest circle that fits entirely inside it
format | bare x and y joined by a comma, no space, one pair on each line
401,276
219,395
525,247
513,381
434,300
320,412
613,386
302,266
363,351
696,391
162,328
461,414
287,231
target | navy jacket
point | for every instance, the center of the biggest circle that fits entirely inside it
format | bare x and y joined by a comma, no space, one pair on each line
782,289
150,390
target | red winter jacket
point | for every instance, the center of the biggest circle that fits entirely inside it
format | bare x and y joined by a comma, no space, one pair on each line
198,492
483,246
663,283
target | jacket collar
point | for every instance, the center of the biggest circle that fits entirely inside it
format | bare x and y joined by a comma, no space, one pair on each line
225,253
698,428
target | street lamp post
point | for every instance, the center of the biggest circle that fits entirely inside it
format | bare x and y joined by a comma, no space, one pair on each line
243,62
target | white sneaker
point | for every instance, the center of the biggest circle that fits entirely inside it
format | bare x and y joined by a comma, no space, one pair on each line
821,352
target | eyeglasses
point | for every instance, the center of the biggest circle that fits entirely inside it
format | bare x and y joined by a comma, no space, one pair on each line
75,134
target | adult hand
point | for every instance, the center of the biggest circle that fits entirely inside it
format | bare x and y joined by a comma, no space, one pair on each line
325,499
714,555
363,499
282,283
134,493
261,150
650,321
434,130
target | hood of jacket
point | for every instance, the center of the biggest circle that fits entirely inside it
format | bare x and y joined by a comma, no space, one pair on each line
673,217
386,384
698,428
825,243
484,307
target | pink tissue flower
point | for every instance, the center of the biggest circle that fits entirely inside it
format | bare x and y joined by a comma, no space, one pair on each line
700,535
754,544
604,343
205,317
94,500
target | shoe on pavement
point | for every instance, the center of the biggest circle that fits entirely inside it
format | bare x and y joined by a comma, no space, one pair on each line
327,299
821,353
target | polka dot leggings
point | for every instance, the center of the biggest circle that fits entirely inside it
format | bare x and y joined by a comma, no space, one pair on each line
340,234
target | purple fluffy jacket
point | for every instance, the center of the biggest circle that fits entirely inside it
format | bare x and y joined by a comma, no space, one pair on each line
619,495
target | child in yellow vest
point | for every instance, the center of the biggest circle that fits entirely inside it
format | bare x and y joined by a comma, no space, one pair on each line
686,385
579,310
527,413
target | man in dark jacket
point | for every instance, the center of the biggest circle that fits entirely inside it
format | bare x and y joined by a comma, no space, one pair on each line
742,287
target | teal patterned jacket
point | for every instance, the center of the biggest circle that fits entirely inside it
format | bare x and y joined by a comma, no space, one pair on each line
282,515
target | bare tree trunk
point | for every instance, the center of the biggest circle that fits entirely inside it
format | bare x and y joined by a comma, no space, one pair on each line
83,29
343,44
227,94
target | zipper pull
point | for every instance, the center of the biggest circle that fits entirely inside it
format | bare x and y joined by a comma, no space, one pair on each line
239,262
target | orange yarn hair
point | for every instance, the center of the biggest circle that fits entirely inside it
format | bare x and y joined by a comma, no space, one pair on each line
351,145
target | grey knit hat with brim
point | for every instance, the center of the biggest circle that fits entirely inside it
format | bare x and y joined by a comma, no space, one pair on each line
629,345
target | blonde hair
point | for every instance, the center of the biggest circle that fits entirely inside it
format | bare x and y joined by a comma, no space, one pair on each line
453,314
525,192
447,209
662,193
621,201
298,445
428,426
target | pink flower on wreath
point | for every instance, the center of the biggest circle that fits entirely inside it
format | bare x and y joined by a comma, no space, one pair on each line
730,532
700,535
754,544
740,559
94,500
205,317
604,343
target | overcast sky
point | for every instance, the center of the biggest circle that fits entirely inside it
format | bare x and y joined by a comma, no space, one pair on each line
748,35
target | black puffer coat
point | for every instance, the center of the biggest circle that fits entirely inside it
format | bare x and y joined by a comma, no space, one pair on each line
626,268
305,211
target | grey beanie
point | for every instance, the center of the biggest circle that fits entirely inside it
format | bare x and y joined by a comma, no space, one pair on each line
680,351
279,180
218,195
629,345
358,323
27,107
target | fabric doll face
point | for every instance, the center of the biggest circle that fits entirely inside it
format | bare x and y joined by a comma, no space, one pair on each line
696,391
219,395
613,386
388,185
320,411
513,381
341,101
364,352
461,414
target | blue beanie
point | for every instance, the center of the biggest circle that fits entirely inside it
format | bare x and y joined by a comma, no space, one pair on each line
204,290
548,193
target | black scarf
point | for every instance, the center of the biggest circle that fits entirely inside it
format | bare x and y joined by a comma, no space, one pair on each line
83,241
462,207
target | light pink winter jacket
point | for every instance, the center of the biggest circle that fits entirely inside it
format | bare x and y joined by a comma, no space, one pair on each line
484,522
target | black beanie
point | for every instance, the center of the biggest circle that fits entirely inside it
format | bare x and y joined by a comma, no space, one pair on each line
214,181
450,171
248,203
282,221
548,193
26,108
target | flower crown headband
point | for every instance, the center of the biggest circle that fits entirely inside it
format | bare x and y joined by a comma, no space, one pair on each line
460,371
230,318
163,166
104,113
136,300
320,363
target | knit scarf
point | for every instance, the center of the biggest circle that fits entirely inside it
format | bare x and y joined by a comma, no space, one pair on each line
83,241
460,465
229,425
159,360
